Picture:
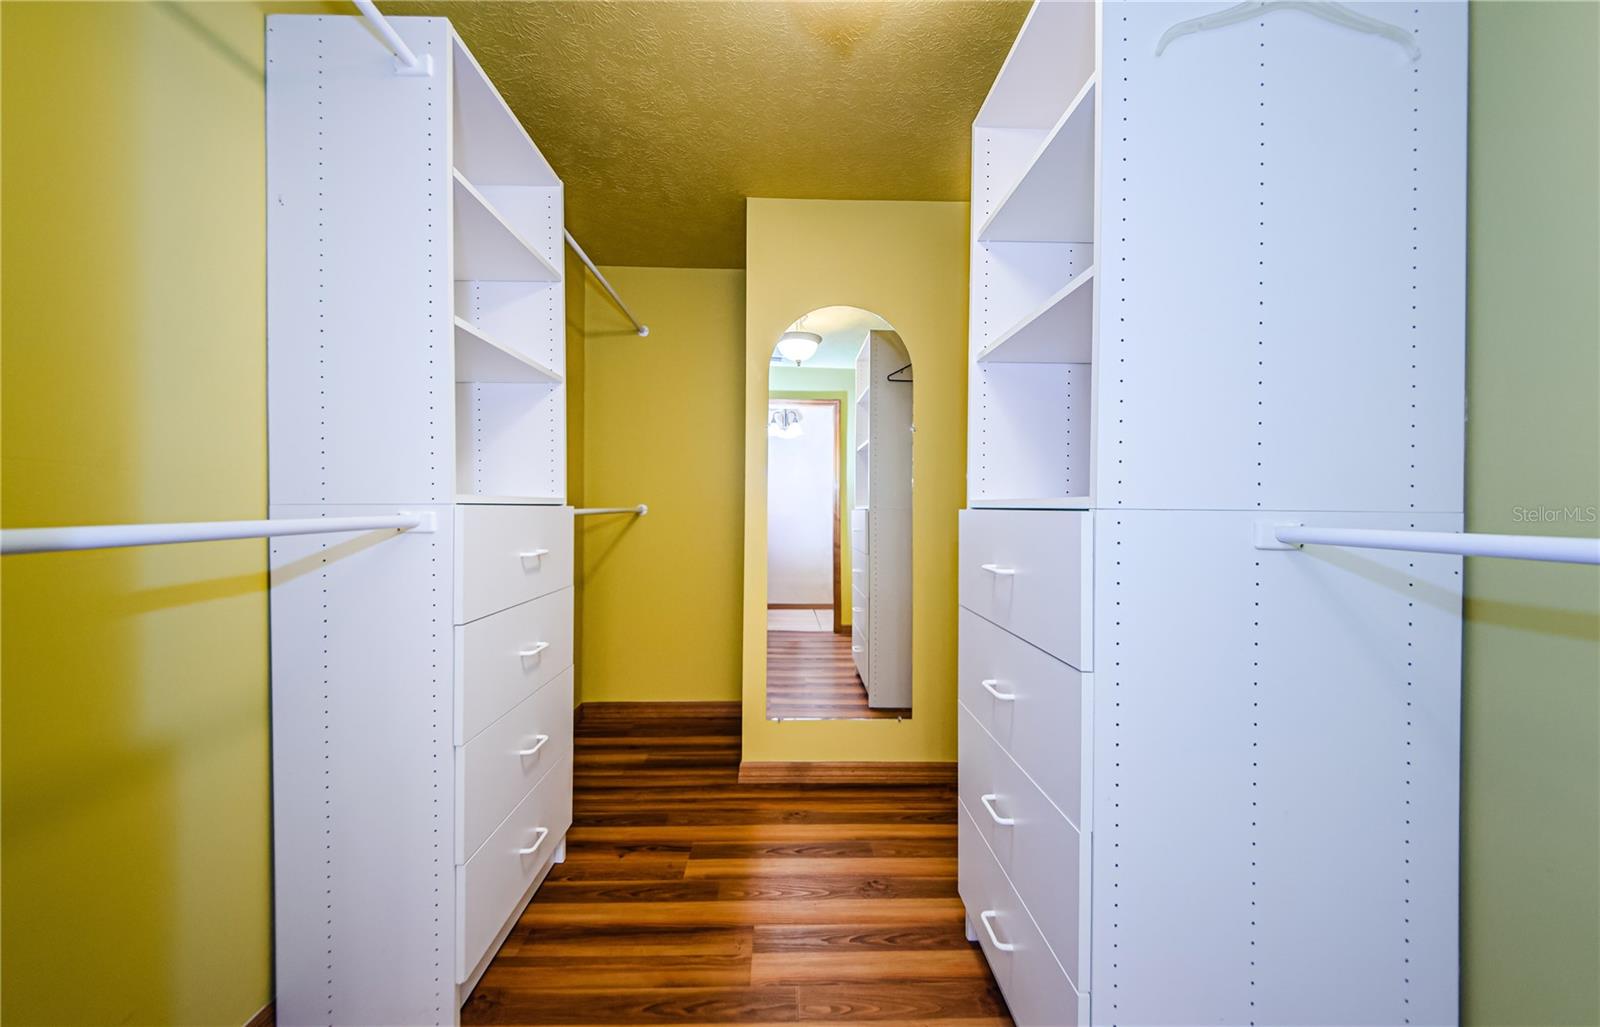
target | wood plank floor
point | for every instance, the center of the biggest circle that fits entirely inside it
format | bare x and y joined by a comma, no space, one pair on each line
810,675
687,898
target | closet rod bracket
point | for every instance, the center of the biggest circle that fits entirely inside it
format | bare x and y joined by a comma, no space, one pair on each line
422,69
427,521
1266,534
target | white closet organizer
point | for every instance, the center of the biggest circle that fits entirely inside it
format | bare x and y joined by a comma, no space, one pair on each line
422,689
880,524
1202,782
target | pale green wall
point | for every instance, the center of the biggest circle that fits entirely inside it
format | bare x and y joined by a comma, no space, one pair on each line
1531,733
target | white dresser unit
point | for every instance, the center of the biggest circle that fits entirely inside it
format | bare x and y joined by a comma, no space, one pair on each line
1213,289
421,688
880,523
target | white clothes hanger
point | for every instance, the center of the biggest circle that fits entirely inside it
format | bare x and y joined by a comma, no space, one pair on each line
1324,9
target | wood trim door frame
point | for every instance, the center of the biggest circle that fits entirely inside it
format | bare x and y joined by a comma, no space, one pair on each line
792,399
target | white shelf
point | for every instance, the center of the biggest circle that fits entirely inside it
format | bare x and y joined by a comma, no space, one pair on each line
864,445
1053,199
1045,503
487,248
1053,54
864,393
481,359
1061,331
491,146
467,499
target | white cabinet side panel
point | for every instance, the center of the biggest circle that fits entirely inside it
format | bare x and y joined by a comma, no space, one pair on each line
359,323
363,822
1282,267
1277,802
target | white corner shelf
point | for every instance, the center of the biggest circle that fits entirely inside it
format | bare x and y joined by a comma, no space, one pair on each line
481,359
1042,503
487,248
491,146
1053,198
470,499
1061,331
863,445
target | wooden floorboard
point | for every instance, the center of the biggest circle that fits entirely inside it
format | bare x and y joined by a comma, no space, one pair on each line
811,676
688,898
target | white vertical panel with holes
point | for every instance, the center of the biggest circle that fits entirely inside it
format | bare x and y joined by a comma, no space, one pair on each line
883,443
1264,320
416,356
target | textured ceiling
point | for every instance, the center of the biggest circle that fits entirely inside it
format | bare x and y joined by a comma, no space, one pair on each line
662,115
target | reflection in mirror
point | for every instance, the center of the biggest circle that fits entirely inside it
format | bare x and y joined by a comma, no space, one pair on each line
839,438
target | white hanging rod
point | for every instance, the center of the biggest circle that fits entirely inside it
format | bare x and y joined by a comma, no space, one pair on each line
1510,547
585,511
118,536
638,326
405,59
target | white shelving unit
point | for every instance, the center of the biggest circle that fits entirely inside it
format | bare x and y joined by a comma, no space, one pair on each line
1059,332
1053,198
880,524
422,689
481,359
1202,782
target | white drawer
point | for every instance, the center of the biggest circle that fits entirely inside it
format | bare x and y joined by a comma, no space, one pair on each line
507,758
506,555
858,519
1030,572
858,535
1034,705
492,883
1037,992
1040,851
492,672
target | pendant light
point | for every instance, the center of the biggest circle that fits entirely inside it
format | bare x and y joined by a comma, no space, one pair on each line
798,345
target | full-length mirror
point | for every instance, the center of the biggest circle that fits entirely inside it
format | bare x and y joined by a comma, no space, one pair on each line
839,482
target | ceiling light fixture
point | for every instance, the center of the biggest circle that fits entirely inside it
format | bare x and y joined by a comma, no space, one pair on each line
799,346
784,423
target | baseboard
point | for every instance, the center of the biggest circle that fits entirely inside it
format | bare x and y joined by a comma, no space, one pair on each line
799,606
593,712
266,1016
842,773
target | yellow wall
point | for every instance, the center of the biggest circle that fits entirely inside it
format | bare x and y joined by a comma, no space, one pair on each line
662,417
1530,866
906,262
136,862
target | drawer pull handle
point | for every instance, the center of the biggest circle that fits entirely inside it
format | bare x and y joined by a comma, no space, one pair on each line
988,804
538,744
988,686
532,554
999,571
1003,946
535,651
543,833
